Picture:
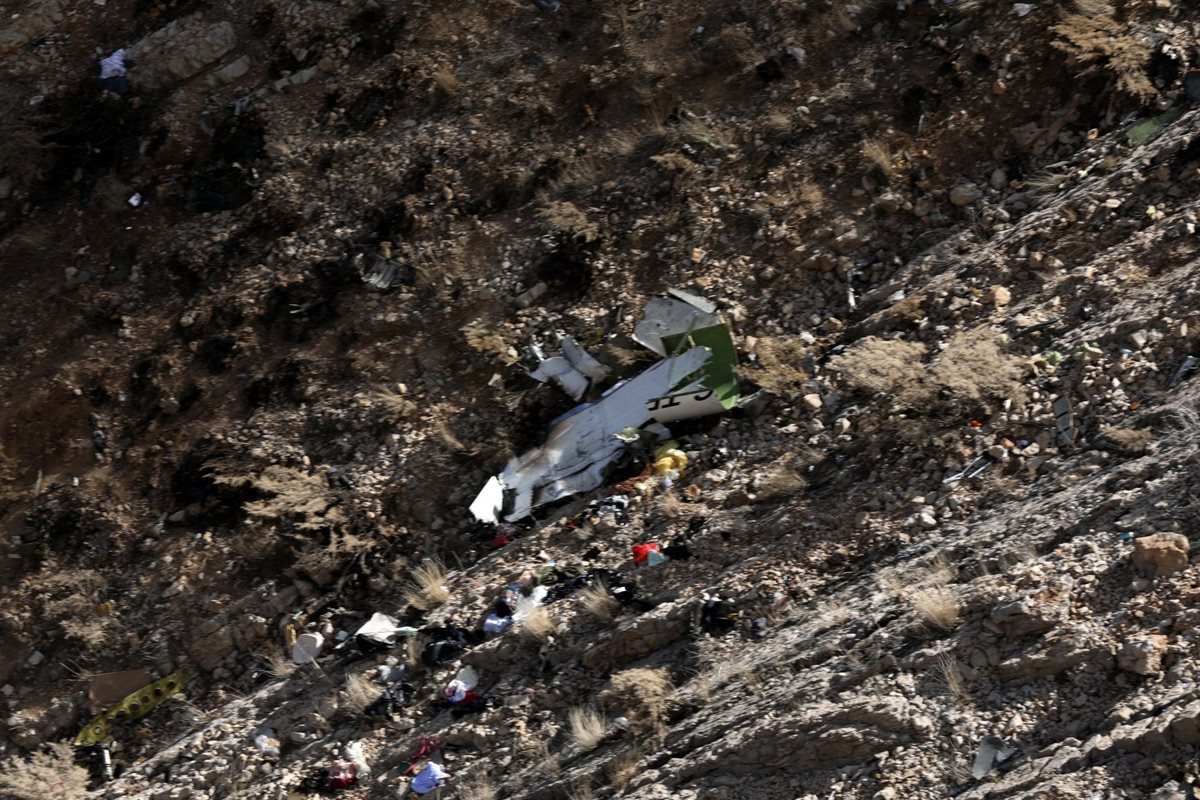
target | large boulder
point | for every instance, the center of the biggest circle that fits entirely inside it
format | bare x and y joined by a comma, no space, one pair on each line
1161,554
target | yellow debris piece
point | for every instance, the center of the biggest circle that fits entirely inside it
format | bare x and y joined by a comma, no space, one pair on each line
669,461
133,707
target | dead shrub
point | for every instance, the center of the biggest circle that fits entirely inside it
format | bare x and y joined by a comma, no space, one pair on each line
483,339
972,366
622,769
425,589
641,695
358,693
731,50
779,481
882,156
1093,37
936,605
599,603
781,358
536,625
278,665
567,218
324,563
879,365
588,727
49,773
1128,440
297,498
446,82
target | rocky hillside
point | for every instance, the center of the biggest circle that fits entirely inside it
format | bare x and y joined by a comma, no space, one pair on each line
267,335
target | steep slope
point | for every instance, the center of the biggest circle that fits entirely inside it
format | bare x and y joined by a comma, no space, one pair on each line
925,225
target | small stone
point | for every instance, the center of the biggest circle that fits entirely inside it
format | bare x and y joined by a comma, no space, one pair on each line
964,194
998,296
889,202
1022,9
37,658
999,179
1142,655
812,402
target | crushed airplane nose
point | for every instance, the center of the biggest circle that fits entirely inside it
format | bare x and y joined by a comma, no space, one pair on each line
697,376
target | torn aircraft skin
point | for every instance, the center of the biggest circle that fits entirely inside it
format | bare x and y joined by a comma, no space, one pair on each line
698,376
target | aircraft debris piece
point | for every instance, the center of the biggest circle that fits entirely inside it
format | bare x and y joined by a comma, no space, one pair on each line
576,371
1064,418
132,708
697,376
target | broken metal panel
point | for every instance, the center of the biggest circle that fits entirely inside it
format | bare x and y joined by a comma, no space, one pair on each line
576,371
972,470
134,707
668,316
583,443
488,503
718,391
1064,418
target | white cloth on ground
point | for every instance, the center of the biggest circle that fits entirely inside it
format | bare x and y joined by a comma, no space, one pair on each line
429,778
113,66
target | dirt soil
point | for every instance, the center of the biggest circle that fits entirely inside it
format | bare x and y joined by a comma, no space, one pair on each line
266,336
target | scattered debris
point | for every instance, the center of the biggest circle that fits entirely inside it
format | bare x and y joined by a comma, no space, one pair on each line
576,371
380,633
1064,418
267,742
134,707
698,377
649,554
992,751
113,70
977,467
1186,370
308,647
433,776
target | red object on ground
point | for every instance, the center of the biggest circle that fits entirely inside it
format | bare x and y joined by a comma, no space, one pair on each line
500,540
642,551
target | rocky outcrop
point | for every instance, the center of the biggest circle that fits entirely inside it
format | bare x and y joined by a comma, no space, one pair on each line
181,50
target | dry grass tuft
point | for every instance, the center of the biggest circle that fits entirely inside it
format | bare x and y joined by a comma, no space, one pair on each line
641,695
279,665
1128,440
1094,37
536,625
972,366
951,675
426,589
567,218
879,365
781,358
599,603
622,769
936,605
880,154
588,727
446,82
580,791
358,693
51,773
